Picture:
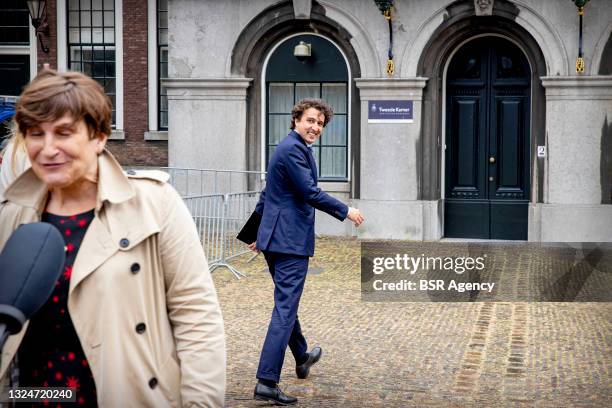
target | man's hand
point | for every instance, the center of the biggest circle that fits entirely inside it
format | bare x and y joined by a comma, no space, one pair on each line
355,215
253,247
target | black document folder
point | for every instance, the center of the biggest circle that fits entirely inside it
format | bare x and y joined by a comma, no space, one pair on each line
248,233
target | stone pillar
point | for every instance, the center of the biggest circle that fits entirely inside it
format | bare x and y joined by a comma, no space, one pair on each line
578,167
390,155
207,124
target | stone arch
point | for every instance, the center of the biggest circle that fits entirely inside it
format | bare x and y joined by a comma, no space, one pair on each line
361,40
256,41
459,26
553,50
278,21
602,54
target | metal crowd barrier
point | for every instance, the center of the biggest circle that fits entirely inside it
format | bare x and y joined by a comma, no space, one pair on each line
220,202
218,219
191,182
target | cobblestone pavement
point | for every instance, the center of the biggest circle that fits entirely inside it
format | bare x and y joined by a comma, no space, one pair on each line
490,354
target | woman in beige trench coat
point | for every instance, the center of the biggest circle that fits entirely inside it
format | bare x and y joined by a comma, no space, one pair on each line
139,295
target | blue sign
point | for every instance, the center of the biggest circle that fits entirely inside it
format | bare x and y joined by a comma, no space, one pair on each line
390,112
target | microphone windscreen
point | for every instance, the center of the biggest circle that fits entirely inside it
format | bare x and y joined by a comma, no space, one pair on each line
30,264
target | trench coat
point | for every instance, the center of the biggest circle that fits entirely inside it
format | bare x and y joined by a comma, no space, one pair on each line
12,166
140,262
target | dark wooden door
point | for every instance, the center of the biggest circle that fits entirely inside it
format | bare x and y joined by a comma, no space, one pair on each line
487,141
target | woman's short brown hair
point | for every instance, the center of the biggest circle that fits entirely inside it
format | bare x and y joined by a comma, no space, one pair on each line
307,103
53,94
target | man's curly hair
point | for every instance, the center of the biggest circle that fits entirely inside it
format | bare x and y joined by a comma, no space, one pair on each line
306,103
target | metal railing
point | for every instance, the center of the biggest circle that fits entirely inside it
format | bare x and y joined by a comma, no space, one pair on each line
220,202
191,182
218,219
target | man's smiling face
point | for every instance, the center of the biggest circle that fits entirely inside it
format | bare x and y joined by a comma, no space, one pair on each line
310,125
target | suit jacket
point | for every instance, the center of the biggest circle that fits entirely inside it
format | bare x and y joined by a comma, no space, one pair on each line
183,346
288,201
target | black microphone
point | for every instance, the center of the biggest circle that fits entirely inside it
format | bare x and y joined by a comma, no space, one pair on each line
30,264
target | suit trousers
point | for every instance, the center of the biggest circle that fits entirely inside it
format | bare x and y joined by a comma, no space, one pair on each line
289,274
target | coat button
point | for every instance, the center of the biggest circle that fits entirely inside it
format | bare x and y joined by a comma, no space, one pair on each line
135,268
140,328
153,382
124,243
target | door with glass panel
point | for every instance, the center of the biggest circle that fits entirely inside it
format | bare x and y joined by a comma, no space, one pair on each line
324,75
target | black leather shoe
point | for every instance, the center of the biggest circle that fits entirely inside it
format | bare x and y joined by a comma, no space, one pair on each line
303,369
264,393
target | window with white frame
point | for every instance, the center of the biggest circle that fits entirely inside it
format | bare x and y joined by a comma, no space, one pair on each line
91,42
14,23
16,58
323,75
330,150
162,63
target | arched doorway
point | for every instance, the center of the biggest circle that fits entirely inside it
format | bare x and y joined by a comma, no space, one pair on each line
487,147
257,40
462,26
323,75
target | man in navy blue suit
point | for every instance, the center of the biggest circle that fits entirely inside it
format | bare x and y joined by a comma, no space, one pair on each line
286,238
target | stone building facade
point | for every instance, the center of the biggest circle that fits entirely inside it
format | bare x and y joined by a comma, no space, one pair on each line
506,141
504,138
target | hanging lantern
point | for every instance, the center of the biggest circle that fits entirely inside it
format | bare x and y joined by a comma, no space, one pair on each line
385,7
580,61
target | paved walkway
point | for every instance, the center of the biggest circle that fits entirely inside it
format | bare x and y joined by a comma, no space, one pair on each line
417,354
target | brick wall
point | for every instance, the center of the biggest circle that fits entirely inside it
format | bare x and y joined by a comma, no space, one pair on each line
50,40
134,150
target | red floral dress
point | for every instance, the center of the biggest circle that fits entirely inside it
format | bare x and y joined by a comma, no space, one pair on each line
51,354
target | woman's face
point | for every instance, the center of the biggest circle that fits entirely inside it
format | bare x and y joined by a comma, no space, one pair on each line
61,152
